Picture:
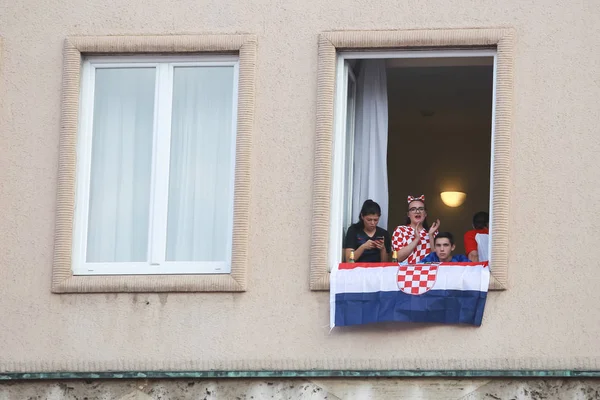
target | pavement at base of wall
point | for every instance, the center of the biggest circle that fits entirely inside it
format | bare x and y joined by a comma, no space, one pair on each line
314,389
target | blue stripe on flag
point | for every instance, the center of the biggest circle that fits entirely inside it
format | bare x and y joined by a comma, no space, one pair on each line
441,306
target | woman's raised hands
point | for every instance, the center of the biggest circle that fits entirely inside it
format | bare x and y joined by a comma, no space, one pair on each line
434,227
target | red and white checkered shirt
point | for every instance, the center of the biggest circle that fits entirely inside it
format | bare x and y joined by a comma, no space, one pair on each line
403,235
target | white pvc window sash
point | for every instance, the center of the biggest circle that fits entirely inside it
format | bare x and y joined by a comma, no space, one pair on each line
189,165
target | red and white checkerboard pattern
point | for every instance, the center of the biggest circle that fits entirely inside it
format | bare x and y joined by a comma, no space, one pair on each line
403,235
417,279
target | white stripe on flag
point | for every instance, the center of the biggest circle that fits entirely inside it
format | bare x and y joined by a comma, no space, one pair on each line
384,279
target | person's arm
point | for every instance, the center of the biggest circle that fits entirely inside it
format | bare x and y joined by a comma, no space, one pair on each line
386,248
471,246
432,230
473,256
383,254
404,252
351,244
382,246
358,251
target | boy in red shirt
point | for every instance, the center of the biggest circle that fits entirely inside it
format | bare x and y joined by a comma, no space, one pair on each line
481,222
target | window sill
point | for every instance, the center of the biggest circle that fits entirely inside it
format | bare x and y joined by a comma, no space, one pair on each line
149,283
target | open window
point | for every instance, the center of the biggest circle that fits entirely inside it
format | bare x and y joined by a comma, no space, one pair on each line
412,122
437,112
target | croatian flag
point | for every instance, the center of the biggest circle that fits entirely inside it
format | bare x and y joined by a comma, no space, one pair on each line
447,293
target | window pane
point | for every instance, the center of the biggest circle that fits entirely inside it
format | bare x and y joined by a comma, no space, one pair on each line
121,165
199,210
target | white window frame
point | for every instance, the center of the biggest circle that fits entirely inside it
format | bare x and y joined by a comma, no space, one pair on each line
339,133
157,231
349,137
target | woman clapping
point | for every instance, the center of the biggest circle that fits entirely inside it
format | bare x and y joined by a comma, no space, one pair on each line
414,240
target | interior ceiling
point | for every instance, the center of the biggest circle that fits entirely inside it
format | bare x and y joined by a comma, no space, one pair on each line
439,62
428,90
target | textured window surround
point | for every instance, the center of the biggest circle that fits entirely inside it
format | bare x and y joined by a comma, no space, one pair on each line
329,44
63,280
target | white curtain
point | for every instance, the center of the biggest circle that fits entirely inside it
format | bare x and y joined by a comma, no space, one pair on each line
370,141
200,183
483,246
201,168
121,165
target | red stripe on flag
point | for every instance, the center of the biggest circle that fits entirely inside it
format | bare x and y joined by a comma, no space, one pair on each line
365,265
377,265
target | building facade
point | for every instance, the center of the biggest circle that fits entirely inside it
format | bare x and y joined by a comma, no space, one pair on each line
268,308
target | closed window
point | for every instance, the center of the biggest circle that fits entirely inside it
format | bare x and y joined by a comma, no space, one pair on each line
155,165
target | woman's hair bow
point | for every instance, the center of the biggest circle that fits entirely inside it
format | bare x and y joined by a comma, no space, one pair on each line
410,199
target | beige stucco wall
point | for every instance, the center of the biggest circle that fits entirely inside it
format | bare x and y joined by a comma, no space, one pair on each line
547,319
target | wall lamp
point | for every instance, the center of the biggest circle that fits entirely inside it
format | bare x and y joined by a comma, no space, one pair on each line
453,199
